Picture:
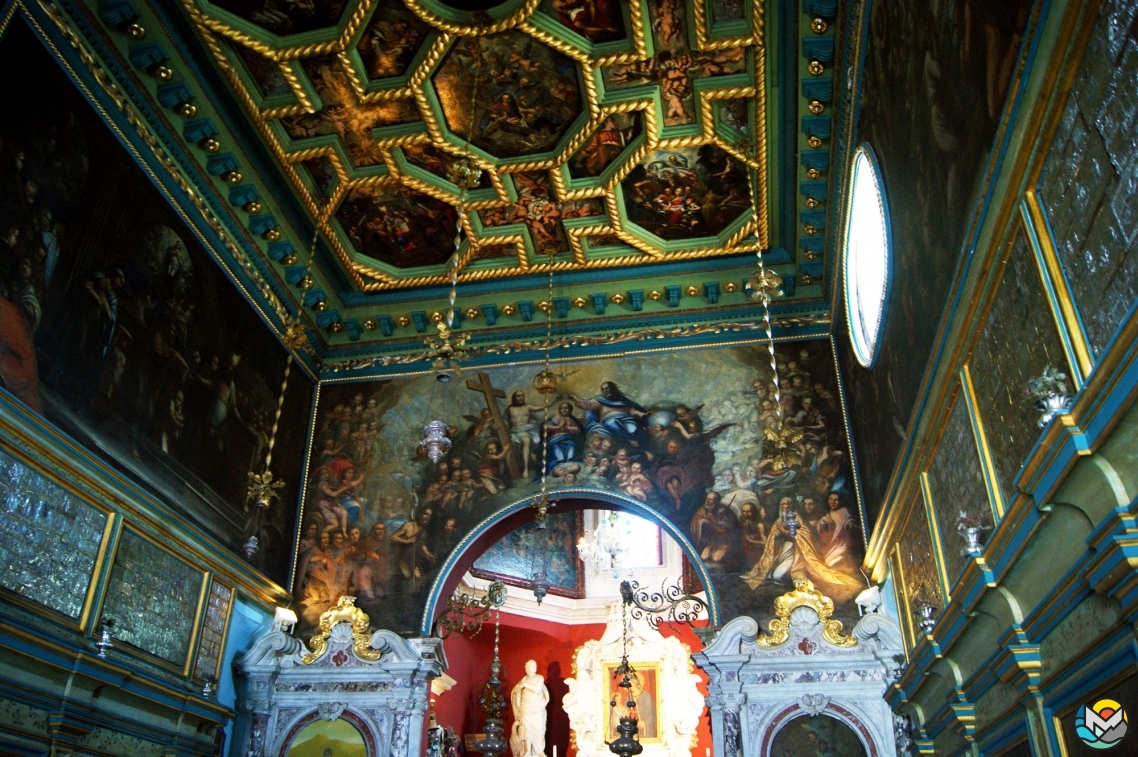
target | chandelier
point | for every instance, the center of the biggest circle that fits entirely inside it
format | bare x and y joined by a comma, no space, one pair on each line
447,348
603,549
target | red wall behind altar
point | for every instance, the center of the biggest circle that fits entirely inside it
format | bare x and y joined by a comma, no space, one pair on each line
552,645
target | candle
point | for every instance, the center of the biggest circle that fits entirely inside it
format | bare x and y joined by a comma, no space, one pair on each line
554,750
708,752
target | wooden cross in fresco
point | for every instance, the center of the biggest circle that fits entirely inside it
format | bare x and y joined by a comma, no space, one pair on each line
492,396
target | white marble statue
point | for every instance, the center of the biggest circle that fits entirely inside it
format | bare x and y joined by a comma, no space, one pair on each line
529,699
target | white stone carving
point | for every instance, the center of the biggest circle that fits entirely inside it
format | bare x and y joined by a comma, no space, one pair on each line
869,600
680,703
528,699
386,698
813,704
331,710
769,687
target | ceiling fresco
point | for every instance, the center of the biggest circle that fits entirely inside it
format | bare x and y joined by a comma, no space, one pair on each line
609,134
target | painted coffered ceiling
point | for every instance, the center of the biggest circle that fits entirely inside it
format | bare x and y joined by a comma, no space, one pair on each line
644,149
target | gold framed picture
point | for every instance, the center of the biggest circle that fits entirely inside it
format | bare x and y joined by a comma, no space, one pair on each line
645,693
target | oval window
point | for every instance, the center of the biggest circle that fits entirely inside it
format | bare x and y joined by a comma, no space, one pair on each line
867,258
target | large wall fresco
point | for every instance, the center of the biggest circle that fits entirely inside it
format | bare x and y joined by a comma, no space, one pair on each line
932,151
688,434
118,327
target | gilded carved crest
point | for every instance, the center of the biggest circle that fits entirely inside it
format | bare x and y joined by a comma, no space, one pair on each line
805,595
345,611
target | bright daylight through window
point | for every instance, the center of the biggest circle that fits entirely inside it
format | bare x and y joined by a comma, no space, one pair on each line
867,256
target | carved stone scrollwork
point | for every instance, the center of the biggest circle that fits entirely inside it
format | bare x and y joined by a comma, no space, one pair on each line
805,595
813,704
331,710
345,611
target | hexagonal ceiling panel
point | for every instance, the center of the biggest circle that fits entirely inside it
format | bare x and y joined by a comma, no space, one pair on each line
612,134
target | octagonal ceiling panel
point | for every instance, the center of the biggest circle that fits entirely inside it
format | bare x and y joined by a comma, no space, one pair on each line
284,17
686,192
397,226
610,134
525,95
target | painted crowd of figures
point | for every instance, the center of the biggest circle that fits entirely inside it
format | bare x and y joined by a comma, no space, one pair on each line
115,323
718,472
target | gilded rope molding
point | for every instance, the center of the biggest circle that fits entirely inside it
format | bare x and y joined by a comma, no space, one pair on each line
619,337
371,276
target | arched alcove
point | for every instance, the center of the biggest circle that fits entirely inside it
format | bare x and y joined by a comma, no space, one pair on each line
553,633
821,734
795,723
516,514
314,736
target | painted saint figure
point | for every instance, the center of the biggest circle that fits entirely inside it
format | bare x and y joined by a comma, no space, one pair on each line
614,415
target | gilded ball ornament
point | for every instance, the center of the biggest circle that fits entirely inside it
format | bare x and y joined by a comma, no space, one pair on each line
819,26
814,141
546,382
186,109
816,68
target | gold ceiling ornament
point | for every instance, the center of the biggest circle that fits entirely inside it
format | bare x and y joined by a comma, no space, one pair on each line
804,595
410,97
785,440
345,611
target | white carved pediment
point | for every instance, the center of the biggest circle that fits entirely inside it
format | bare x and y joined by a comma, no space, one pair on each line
666,665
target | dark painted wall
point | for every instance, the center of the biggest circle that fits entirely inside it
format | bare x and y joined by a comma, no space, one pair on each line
933,88
118,327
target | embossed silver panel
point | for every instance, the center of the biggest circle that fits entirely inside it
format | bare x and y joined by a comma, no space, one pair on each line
957,484
49,539
153,598
213,630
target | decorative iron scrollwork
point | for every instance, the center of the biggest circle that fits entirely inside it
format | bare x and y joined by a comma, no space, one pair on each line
466,613
671,604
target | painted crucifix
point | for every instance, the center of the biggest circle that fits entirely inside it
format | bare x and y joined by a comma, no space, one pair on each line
492,395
